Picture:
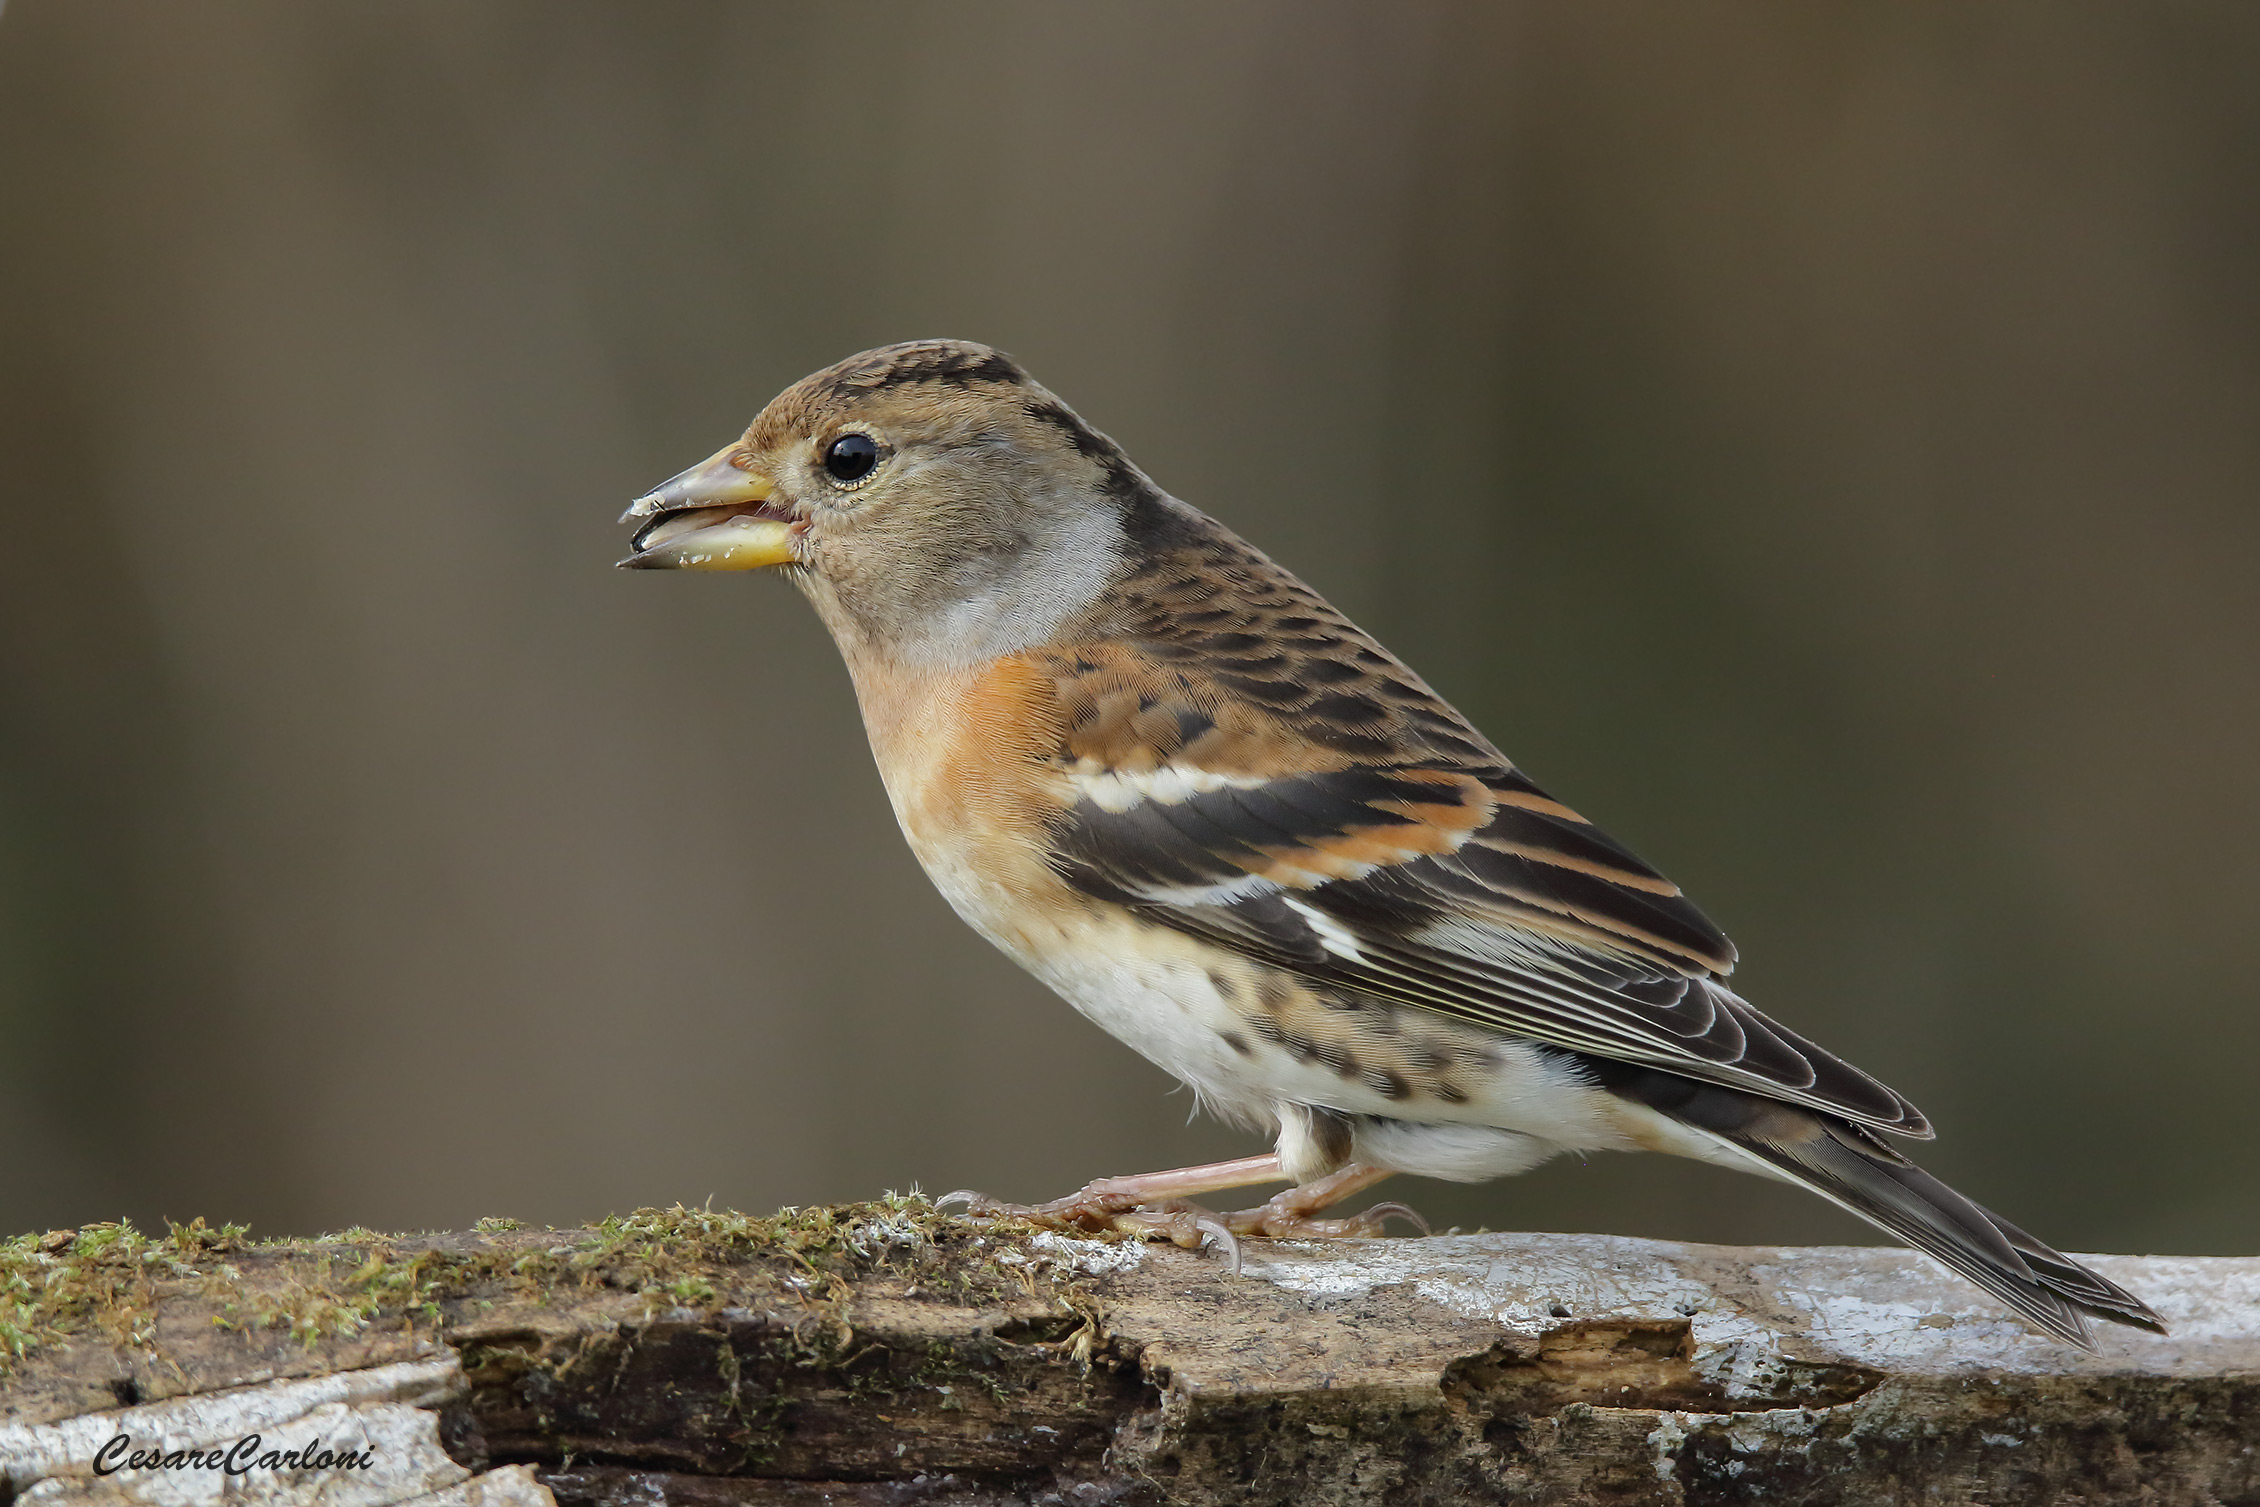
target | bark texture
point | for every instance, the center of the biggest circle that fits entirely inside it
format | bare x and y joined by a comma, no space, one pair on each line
885,1354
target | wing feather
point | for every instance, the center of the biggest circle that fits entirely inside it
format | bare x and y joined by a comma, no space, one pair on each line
1243,764
1463,890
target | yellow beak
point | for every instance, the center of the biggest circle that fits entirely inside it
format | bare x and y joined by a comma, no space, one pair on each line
709,518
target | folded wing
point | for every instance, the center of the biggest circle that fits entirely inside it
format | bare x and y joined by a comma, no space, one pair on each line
1393,851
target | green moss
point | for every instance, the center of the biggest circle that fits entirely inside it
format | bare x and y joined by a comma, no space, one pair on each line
104,1279
107,1281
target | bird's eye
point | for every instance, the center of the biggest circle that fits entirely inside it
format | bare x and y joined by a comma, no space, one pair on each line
850,458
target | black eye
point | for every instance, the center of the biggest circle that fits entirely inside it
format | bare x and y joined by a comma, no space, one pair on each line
851,458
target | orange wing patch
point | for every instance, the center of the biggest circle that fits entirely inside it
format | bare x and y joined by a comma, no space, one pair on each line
1216,788
1407,829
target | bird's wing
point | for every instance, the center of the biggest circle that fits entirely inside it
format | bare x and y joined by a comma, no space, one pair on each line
1322,810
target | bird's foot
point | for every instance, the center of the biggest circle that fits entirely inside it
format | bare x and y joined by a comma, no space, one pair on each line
1155,1206
1099,1208
1287,1218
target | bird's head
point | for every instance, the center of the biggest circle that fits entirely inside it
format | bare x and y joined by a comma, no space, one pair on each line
934,503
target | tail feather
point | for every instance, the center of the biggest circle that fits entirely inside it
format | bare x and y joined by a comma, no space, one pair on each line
1861,1173
2084,1289
1851,1170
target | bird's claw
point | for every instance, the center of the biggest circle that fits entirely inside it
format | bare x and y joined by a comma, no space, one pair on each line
1127,1206
1092,1210
1096,1211
1280,1219
1186,1226
1381,1214
1215,1228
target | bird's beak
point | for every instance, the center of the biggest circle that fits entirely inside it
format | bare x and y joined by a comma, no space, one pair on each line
715,516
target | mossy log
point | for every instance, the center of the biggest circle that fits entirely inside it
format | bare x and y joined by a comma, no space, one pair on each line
883,1353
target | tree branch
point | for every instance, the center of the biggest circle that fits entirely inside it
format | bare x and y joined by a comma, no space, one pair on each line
882,1353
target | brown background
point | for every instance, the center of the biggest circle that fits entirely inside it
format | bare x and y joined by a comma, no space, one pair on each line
1818,440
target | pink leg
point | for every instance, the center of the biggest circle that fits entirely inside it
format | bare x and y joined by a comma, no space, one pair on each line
1180,1182
1155,1204
1150,1203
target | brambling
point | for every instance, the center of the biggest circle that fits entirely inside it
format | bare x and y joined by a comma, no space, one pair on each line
1171,781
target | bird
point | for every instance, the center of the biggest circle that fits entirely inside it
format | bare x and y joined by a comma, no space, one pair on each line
1183,790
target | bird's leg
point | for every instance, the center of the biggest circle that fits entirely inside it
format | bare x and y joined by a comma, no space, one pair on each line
1287,1216
1150,1203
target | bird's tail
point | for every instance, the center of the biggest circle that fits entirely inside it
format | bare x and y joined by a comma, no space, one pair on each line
1856,1170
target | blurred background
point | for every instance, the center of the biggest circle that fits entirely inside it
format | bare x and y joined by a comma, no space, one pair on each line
1820,442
